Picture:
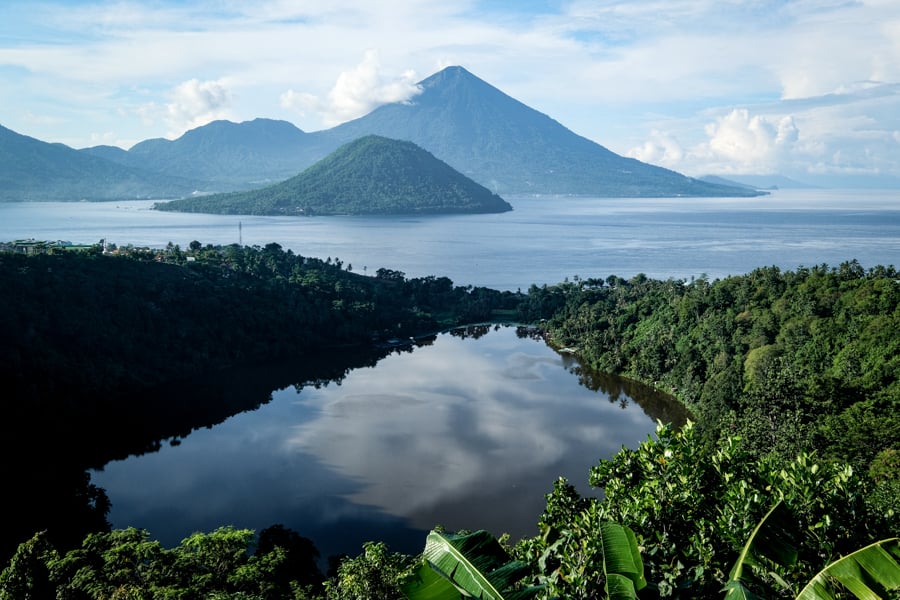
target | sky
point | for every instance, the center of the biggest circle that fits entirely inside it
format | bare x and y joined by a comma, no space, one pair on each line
809,89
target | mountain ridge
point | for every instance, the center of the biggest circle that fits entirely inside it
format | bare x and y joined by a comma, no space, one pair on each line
224,153
513,149
477,129
33,170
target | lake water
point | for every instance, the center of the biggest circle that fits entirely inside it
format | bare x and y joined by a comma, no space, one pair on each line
465,433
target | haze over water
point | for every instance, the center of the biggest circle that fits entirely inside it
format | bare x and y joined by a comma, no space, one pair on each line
542,241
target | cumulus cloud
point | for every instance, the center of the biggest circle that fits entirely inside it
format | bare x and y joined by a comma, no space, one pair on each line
192,103
355,93
747,143
661,149
737,142
751,143
195,103
301,102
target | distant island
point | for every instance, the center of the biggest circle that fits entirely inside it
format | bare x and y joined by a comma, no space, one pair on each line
372,175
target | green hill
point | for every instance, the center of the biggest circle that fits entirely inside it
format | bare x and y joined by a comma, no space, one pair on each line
372,175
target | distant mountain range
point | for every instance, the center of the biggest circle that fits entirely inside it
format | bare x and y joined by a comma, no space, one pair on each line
372,175
33,171
225,155
475,128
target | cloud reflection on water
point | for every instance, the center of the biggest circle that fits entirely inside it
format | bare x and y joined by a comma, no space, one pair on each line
465,433
425,432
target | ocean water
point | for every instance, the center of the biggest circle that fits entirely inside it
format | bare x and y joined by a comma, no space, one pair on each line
544,240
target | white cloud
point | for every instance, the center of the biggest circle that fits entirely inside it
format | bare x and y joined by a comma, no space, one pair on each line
736,142
301,102
643,77
355,93
661,149
751,144
192,103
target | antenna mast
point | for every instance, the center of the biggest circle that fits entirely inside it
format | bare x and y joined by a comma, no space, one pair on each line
240,235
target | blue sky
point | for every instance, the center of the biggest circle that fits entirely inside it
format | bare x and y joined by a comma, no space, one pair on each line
806,88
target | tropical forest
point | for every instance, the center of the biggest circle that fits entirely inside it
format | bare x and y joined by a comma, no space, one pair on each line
785,482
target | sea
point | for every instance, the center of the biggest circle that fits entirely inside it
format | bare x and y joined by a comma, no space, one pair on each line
542,241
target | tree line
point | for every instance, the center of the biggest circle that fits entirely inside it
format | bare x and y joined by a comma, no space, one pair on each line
90,337
790,361
791,377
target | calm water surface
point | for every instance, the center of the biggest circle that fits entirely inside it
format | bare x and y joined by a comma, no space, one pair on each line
542,241
465,433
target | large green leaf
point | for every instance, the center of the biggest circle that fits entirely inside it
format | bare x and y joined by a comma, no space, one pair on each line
870,573
622,563
769,544
472,565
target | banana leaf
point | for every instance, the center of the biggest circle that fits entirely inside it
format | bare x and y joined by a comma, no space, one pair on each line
770,543
622,562
870,573
472,565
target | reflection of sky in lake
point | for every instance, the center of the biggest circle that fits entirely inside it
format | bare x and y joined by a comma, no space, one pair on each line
463,433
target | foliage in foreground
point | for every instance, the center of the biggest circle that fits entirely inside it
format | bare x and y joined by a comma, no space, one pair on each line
788,361
472,564
868,573
692,512
691,516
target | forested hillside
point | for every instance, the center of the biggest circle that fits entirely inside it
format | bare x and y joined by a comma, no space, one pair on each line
796,360
373,175
793,462
150,316
88,339
793,381
35,171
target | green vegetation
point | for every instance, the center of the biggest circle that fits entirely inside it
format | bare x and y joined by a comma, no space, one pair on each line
144,317
790,361
370,176
693,508
785,486
870,572
649,537
89,338
474,564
